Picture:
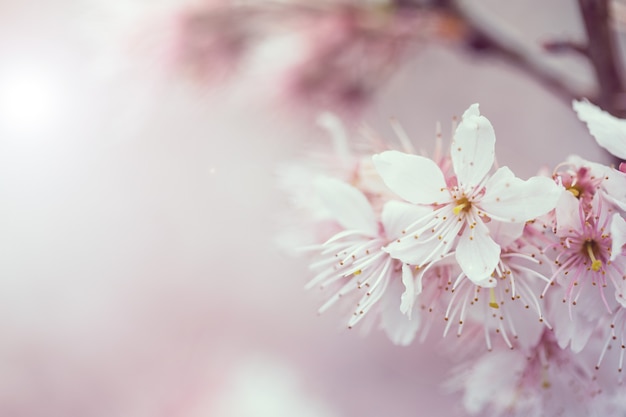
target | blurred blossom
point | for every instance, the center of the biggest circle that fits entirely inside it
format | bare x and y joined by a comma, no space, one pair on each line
343,50
265,387
209,40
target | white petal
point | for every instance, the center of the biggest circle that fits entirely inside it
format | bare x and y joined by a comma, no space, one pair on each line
347,205
505,233
568,215
615,187
337,131
510,199
432,245
399,328
412,177
473,148
609,131
570,326
411,290
397,215
477,253
618,236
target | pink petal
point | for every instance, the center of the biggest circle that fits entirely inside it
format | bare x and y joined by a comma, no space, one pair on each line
505,234
473,148
609,131
477,253
510,199
347,205
412,177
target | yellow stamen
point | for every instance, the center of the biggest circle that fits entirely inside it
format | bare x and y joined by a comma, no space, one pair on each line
492,299
596,264
357,272
462,205
458,209
575,191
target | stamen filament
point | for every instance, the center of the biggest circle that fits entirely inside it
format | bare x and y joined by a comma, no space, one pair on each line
493,303
596,264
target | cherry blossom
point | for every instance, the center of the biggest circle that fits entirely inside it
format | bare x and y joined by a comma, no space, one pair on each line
535,270
534,383
353,262
585,254
462,205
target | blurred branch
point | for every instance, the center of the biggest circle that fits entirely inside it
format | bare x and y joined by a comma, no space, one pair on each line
601,52
559,47
482,38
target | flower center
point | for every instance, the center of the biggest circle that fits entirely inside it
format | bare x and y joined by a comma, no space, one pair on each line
596,264
462,204
575,190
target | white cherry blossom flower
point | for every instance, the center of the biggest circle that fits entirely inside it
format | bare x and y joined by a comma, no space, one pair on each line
353,262
460,206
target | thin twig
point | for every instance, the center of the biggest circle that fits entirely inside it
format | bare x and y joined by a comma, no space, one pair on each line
482,39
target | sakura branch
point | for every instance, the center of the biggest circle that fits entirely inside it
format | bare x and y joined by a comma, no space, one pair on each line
423,248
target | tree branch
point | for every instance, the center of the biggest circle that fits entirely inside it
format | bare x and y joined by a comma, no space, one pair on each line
482,39
601,52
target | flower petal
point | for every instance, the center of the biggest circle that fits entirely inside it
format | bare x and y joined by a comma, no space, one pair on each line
618,236
615,187
399,328
398,215
347,205
430,246
473,148
568,215
414,178
609,131
477,253
511,199
504,234
412,288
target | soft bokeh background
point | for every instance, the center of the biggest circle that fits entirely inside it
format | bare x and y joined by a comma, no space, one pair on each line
138,214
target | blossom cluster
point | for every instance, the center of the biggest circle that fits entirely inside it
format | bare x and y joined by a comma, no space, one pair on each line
530,275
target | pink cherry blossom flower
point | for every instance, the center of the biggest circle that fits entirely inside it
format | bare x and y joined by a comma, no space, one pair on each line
542,381
585,253
584,179
461,206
